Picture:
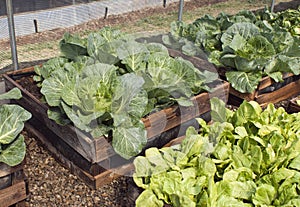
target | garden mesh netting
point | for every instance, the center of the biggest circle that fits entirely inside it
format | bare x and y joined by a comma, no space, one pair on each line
37,16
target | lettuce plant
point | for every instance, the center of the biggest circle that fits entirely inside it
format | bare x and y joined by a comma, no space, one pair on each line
248,157
248,45
106,83
12,118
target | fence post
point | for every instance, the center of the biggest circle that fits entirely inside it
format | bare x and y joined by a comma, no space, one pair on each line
12,36
180,10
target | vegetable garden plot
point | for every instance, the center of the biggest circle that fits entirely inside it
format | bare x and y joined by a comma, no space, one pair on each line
108,97
12,185
267,91
256,52
94,160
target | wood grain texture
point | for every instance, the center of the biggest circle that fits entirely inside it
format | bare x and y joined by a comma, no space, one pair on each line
13,194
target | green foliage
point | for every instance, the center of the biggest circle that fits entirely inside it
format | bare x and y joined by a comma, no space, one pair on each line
105,83
12,118
252,45
248,157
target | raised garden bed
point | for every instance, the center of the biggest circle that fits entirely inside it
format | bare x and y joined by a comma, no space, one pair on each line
256,63
94,160
268,91
13,186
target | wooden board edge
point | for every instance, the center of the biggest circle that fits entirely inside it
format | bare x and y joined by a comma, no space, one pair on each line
283,93
13,194
244,96
113,174
173,116
6,169
268,81
21,71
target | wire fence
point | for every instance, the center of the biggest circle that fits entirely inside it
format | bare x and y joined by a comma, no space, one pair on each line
35,16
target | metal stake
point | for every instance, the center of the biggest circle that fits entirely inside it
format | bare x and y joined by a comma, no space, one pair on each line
272,5
12,36
180,10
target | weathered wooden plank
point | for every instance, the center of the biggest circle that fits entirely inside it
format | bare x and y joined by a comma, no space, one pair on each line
13,194
6,169
13,189
175,115
244,96
267,81
60,149
18,72
176,141
94,175
269,92
110,175
283,93
11,175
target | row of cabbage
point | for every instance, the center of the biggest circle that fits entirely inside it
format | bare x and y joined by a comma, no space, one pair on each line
249,45
106,82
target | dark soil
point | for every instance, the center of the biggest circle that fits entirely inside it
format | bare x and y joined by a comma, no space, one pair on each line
30,85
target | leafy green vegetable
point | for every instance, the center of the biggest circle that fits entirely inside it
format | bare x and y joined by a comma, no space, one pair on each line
72,46
12,118
248,157
245,81
249,45
107,82
14,93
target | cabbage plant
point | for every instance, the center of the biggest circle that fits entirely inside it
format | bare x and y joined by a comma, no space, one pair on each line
248,45
106,83
12,118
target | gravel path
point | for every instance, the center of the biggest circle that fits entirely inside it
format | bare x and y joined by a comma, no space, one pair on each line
50,184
